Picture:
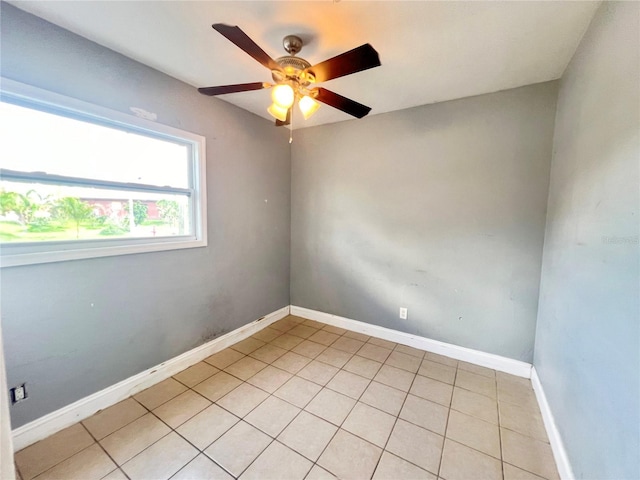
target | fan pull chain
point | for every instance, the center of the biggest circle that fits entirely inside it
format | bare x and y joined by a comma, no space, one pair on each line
291,126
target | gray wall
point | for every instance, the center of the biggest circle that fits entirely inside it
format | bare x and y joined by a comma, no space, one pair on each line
588,335
148,307
439,208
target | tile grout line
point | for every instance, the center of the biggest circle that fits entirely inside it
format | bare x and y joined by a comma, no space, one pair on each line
357,400
171,430
200,452
103,449
370,381
384,449
499,429
271,394
274,439
152,443
446,427
174,430
345,418
148,412
118,467
322,387
404,420
95,441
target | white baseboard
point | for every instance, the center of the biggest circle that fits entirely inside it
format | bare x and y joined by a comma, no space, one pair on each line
496,362
85,407
489,360
557,445
55,421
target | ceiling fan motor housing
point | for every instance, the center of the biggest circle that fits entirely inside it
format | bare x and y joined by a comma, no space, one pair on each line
292,66
293,69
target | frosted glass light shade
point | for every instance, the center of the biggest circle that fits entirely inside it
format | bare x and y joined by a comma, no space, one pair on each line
278,112
283,96
308,106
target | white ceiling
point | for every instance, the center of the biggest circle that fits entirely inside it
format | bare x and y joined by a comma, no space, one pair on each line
430,51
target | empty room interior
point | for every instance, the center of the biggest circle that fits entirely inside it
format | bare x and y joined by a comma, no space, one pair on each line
333,239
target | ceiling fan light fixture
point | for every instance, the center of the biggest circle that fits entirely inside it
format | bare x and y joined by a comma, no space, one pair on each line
283,96
293,76
278,112
308,106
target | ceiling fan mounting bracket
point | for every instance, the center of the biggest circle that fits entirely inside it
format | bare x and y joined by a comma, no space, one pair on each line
292,44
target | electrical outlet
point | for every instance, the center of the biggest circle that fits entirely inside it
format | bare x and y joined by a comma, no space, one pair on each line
403,313
18,393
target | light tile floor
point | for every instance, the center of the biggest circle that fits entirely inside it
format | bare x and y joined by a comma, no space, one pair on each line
305,400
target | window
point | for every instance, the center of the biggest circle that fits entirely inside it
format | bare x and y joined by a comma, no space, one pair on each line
82,181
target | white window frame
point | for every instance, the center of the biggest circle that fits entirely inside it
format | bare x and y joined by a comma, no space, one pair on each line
14,254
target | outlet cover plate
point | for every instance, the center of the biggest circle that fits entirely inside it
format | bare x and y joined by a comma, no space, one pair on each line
18,394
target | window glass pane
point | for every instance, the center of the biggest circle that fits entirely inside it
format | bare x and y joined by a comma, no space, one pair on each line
36,141
33,212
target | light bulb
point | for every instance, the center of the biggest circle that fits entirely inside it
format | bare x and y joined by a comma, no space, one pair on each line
308,106
283,96
278,112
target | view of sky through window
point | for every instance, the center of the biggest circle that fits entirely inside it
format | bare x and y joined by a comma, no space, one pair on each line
35,141
38,209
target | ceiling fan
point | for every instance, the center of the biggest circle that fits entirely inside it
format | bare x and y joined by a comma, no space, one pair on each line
294,77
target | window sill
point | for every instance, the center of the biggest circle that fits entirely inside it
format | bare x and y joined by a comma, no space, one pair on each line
78,253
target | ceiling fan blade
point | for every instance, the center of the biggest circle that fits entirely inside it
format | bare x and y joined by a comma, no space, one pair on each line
345,104
356,60
241,40
240,87
280,123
